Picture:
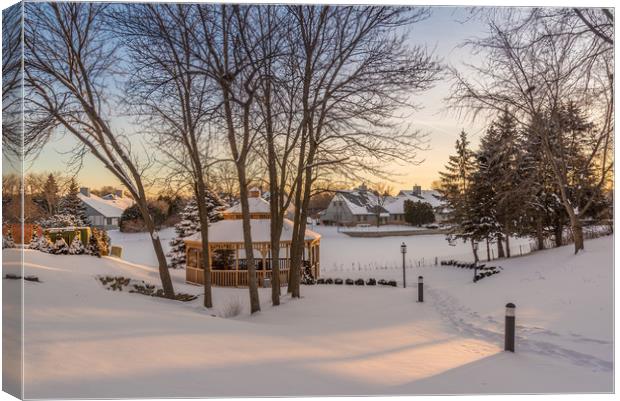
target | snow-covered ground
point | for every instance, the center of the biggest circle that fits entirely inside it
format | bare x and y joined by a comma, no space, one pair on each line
339,252
83,341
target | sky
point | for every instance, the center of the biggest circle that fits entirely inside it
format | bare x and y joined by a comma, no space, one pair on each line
443,32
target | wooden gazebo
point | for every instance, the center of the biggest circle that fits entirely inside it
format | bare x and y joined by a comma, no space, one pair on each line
227,251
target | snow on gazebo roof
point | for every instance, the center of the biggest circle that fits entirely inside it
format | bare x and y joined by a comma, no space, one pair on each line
257,205
232,231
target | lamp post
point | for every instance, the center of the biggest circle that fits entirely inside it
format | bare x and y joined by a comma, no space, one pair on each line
475,245
403,250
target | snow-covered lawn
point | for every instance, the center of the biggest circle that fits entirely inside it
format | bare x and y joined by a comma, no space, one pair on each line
84,341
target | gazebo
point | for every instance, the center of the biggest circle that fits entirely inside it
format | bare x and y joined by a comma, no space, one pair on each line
227,259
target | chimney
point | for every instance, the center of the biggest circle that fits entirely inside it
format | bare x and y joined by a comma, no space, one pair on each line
254,193
417,190
118,193
85,191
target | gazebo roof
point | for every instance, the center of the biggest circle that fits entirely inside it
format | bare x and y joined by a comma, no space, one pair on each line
231,231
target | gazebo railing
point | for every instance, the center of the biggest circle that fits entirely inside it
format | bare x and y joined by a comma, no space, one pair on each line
237,278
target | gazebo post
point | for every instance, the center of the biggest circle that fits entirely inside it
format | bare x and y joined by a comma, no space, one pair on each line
236,265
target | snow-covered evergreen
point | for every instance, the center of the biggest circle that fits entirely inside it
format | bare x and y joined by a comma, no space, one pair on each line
61,220
93,246
190,224
7,240
60,246
72,205
76,247
40,243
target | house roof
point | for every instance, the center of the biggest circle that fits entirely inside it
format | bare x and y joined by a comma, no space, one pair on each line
362,202
257,205
397,204
107,207
232,231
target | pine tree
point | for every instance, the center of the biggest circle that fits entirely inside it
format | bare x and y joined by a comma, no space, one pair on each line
50,195
7,240
190,224
72,205
76,247
93,246
40,243
456,179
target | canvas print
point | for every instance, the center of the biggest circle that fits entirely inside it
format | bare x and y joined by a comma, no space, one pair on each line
238,200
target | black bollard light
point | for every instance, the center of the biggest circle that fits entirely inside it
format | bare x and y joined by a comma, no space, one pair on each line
509,343
420,289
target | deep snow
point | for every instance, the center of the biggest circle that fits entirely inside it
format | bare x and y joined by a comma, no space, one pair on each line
84,341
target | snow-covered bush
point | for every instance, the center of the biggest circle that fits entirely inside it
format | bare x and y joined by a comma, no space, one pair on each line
60,246
61,220
7,240
131,220
40,243
190,224
76,247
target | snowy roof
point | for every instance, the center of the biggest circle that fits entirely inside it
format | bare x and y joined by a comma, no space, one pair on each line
257,205
397,204
361,202
232,231
107,207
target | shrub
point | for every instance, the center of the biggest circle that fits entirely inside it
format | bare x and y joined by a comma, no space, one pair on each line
131,220
338,281
371,281
329,281
359,281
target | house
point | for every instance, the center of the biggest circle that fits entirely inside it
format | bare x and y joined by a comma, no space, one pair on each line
356,206
105,211
227,260
396,207
362,206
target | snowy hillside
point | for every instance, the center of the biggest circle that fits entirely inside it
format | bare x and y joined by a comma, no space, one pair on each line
84,341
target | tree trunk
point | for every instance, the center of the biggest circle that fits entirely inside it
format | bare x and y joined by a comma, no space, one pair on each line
507,235
577,229
488,250
203,214
164,274
474,250
247,241
540,235
558,231
500,246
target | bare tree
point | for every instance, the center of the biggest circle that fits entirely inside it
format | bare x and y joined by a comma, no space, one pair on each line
383,193
534,65
68,59
356,72
223,43
170,98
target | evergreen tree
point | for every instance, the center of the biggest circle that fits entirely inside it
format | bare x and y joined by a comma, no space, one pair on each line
50,195
501,168
456,179
190,224
40,243
418,213
76,247
72,205
93,246
7,240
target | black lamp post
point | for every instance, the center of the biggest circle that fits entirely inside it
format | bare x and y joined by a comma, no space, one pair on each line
475,245
403,250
